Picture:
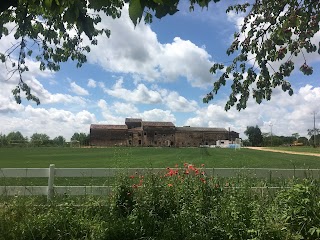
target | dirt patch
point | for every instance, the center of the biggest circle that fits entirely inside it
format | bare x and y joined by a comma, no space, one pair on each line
282,151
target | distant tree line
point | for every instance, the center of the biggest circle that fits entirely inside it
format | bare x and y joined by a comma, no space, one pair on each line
258,139
16,139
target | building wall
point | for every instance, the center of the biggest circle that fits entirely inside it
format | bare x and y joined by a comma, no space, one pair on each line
155,136
109,137
195,138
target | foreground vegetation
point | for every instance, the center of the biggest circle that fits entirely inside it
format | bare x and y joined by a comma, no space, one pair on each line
150,157
180,204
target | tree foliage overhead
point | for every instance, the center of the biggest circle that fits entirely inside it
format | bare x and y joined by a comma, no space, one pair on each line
51,32
273,34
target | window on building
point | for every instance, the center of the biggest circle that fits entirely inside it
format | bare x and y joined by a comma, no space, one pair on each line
164,135
140,142
139,134
130,142
145,133
155,133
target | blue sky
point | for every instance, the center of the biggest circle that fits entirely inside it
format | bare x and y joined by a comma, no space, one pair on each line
157,72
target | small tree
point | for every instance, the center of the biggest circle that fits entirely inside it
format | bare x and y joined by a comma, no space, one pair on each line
40,139
82,138
255,136
59,141
312,133
16,138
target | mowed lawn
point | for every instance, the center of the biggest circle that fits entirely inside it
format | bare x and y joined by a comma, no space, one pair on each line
150,158
303,149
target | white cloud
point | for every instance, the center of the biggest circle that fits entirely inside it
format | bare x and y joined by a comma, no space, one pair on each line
178,103
287,114
92,83
126,109
108,115
143,95
78,90
139,95
157,115
113,115
136,50
51,121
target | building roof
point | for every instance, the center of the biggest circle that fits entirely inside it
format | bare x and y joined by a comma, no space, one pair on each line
201,129
133,120
105,126
157,124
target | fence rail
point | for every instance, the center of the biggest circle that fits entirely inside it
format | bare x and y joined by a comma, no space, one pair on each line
50,190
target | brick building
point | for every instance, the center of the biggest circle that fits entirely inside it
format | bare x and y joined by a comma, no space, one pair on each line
136,132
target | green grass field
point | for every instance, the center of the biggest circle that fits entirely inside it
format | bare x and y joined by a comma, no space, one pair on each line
299,149
150,158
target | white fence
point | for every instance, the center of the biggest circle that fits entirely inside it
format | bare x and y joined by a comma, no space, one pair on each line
50,190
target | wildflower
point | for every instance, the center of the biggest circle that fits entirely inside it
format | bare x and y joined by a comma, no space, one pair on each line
132,177
202,165
196,171
203,180
203,173
216,186
185,164
134,186
186,172
140,182
170,185
176,165
141,176
191,167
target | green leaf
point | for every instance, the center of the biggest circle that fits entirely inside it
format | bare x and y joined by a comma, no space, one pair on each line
47,3
135,11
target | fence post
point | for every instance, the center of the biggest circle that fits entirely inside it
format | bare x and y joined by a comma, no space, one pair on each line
50,182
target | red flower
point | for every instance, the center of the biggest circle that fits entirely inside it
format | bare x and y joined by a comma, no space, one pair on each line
202,165
203,180
132,177
170,185
186,172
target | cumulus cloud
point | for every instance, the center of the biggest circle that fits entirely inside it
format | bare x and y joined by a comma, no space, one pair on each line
117,112
52,122
157,115
146,57
92,83
154,95
178,103
139,95
287,114
75,88
127,109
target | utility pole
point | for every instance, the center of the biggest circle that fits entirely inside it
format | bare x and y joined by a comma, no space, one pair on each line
271,132
314,129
